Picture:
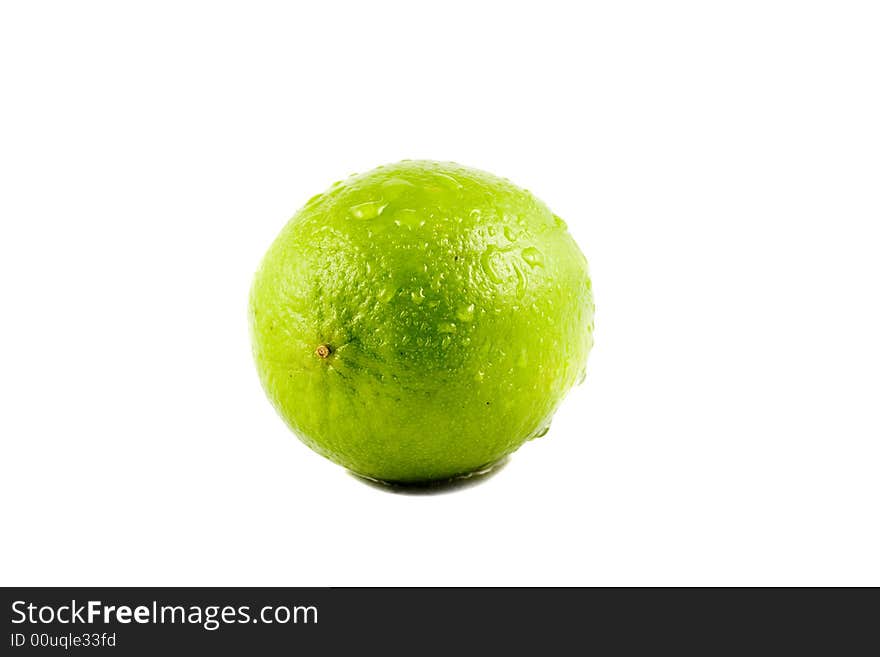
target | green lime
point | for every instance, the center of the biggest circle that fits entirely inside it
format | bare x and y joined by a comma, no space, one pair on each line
421,321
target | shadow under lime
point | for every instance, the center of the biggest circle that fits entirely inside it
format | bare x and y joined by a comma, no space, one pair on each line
438,487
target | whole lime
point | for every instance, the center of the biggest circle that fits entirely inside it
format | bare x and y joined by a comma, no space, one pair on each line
421,321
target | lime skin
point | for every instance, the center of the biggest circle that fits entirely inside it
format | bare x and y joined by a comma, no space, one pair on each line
421,321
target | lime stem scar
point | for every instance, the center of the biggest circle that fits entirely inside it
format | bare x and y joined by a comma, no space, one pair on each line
322,351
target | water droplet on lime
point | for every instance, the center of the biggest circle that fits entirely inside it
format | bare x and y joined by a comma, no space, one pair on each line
533,257
488,266
387,293
314,200
393,188
368,210
410,218
465,313
540,433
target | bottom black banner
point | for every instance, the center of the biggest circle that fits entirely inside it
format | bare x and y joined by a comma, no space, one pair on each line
145,621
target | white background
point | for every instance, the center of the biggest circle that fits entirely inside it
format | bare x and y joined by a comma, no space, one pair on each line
718,163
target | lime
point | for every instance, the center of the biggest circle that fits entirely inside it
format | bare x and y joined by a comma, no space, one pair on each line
421,321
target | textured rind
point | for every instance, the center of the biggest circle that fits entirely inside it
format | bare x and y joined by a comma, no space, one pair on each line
457,308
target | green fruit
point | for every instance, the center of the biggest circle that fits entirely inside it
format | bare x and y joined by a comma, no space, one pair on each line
421,321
